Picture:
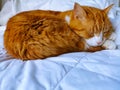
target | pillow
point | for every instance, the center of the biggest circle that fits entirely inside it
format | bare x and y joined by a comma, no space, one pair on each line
11,7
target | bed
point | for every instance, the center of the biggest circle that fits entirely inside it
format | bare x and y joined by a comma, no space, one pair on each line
71,71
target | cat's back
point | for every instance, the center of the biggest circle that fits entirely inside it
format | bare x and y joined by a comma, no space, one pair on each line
36,13
29,17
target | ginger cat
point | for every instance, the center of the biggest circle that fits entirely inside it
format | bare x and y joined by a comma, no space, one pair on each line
40,34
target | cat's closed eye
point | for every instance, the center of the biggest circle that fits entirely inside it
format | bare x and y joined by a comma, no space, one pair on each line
105,31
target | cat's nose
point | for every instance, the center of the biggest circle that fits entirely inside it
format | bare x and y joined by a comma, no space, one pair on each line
99,43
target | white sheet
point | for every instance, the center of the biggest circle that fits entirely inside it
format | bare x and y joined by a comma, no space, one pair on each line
71,71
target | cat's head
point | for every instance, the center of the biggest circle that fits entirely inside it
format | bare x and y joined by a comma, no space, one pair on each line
92,24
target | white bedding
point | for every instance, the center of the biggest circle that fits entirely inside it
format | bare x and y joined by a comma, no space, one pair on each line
71,71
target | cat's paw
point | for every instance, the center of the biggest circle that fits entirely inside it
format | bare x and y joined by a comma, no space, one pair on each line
113,36
109,44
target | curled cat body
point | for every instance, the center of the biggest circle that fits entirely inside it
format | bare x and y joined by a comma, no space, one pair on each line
39,34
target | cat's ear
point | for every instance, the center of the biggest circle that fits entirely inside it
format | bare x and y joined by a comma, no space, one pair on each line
106,10
79,12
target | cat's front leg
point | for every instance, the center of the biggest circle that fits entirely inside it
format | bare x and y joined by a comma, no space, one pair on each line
109,44
96,48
